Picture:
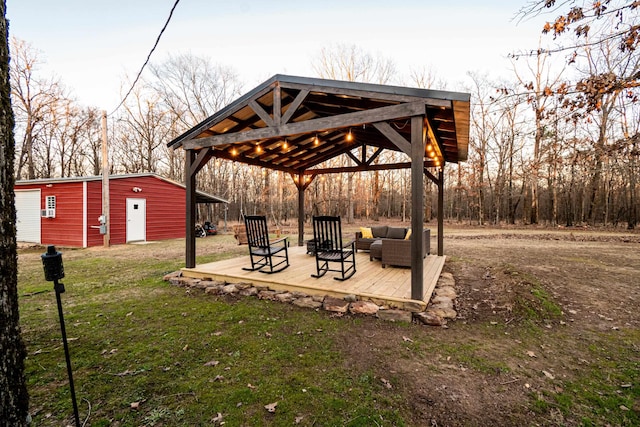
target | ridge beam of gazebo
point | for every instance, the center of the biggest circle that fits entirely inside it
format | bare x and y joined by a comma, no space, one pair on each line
296,124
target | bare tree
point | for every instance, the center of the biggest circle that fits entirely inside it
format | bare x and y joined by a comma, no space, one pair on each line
192,88
14,399
351,63
142,129
427,78
32,96
540,84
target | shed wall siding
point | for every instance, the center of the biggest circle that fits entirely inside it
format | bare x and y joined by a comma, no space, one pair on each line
94,210
165,208
66,228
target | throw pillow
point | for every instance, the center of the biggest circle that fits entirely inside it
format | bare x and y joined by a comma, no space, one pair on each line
366,233
395,233
408,236
379,231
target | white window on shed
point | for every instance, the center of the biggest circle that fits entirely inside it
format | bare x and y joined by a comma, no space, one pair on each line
51,202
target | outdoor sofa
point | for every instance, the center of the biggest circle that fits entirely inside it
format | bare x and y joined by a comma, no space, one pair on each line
390,245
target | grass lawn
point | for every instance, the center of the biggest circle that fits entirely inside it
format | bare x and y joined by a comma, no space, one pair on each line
145,353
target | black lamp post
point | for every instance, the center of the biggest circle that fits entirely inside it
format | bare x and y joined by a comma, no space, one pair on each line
53,272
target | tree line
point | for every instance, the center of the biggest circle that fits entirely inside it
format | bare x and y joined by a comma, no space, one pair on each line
555,144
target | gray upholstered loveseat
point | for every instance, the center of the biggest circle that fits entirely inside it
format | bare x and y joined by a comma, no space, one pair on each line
390,245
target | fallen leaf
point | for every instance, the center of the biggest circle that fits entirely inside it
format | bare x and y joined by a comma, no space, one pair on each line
252,387
212,363
298,420
217,420
271,407
267,334
625,385
624,408
135,405
217,334
186,347
548,375
531,354
407,339
218,378
129,313
386,383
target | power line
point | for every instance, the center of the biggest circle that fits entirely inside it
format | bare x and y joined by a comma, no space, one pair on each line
148,58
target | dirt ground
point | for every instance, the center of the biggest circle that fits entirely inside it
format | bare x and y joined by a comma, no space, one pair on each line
592,276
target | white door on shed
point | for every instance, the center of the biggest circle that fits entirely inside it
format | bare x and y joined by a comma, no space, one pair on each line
28,216
136,220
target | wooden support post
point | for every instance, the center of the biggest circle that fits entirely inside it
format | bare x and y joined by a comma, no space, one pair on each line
106,238
417,206
190,232
301,188
441,211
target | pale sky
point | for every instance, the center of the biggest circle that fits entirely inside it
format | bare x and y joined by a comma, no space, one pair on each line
92,45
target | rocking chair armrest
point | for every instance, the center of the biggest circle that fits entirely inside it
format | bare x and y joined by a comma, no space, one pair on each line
283,239
352,243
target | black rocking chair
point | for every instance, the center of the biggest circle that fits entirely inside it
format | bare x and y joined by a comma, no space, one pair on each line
266,257
328,231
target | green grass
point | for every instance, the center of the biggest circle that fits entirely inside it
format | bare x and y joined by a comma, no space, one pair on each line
134,338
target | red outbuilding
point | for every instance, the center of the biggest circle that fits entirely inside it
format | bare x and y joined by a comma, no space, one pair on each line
67,211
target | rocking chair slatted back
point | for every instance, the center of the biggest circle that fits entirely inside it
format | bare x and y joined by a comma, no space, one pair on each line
266,257
327,233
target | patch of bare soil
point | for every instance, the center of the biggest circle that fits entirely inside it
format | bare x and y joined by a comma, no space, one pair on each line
490,364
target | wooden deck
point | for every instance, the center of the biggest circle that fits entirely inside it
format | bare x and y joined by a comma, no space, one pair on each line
389,286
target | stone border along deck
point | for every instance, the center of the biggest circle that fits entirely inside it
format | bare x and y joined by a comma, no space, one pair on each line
438,312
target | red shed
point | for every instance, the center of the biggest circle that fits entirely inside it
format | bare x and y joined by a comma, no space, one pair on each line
66,211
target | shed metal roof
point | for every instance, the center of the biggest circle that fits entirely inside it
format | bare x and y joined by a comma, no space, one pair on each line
201,196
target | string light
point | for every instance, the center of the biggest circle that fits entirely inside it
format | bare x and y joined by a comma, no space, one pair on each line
258,149
233,152
316,141
349,136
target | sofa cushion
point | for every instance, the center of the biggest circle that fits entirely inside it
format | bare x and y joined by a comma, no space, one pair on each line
379,231
366,233
395,233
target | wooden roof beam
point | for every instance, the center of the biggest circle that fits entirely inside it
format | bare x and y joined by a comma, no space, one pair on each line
313,125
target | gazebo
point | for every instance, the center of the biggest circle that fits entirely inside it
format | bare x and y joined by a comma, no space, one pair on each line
296,124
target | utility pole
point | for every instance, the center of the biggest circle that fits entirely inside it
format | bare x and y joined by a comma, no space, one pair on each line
105,182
